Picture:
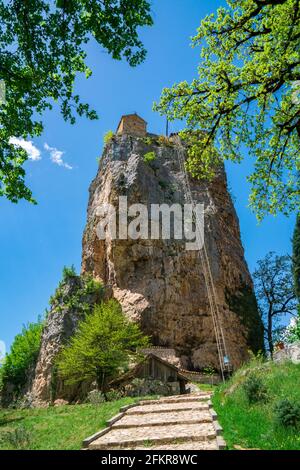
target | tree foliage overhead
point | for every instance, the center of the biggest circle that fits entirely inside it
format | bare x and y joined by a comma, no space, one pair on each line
275,294
104,342
247,93
42,49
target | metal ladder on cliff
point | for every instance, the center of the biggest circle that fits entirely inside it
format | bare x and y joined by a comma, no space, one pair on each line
225,365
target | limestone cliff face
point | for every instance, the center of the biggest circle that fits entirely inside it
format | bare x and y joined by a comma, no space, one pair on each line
158,282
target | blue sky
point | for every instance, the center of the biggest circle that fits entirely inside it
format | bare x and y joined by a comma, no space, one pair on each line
37,241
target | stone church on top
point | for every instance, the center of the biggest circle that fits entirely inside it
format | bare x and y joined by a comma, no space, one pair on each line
132,124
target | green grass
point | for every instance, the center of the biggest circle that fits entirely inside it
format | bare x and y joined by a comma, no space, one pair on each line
206,387
62,427
253,426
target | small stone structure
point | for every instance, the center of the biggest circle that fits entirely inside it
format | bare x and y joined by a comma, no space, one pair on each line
155,368
132,124
166,354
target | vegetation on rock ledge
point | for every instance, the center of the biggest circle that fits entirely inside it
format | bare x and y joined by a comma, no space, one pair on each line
82,288
149,157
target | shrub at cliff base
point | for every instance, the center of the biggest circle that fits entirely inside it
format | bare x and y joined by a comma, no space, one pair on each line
104,344
260,406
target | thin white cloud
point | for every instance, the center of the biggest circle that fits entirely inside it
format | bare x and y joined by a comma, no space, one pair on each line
32,151
56,156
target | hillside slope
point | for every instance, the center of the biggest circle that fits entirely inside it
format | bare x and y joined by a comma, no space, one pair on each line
254,425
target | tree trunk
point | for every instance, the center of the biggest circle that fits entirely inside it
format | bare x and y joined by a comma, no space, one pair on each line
270,333
101,378
103,385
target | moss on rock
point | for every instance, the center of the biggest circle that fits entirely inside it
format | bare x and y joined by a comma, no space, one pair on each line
244,304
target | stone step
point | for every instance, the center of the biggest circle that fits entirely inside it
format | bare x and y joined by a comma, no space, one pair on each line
179,399
170,418
167,407
177,445
153,435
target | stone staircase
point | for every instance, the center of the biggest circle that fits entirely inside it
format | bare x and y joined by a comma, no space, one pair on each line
184,422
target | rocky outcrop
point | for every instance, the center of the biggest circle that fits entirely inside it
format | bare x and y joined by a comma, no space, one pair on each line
73,299
159,283
290,352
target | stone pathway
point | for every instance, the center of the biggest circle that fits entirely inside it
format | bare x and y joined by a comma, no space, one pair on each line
184,422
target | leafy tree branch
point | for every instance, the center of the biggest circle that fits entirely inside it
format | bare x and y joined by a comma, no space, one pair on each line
245,94
42,50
